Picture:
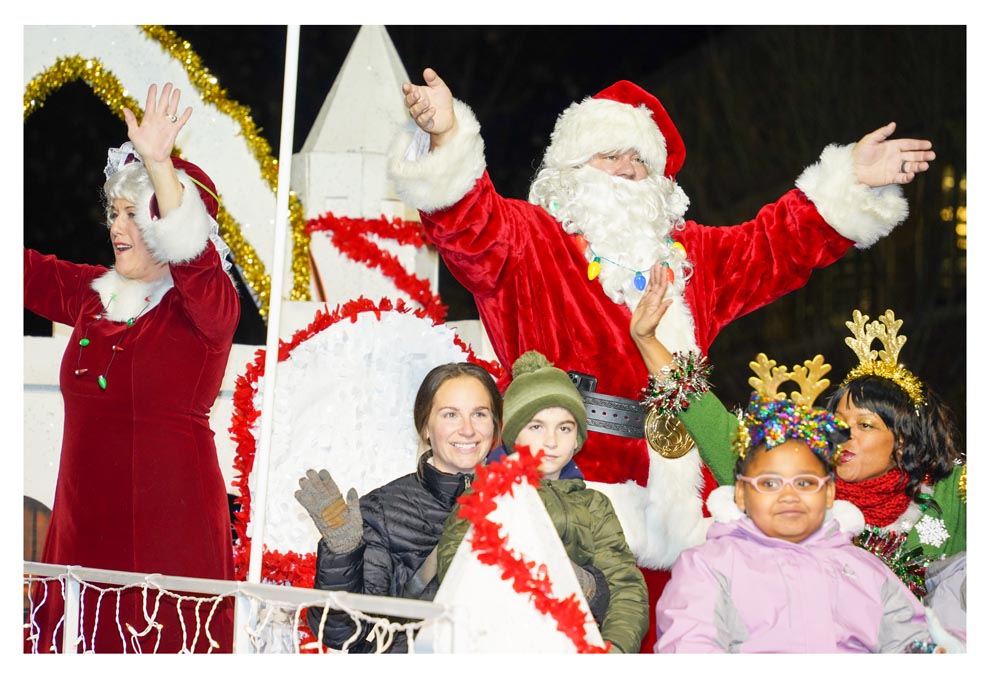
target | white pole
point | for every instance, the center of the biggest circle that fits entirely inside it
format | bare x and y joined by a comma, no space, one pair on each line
259,494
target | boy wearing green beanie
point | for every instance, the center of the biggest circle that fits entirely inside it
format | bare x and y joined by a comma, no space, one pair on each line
544,411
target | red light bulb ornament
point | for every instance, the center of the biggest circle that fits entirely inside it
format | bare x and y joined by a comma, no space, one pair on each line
670,272
581,242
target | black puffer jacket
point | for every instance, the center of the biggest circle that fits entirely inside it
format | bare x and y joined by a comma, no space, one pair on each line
403,521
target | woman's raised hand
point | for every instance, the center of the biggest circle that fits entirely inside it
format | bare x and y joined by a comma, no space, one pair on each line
155,135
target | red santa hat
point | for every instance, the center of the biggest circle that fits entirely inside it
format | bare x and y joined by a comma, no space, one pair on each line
117,158
207,189
623,116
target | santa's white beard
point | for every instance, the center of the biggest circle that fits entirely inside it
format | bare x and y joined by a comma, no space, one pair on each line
626,223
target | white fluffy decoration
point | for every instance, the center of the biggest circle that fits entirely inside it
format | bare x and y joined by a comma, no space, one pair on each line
344,402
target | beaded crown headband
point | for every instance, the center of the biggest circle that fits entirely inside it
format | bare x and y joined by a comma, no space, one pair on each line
882,363
771,418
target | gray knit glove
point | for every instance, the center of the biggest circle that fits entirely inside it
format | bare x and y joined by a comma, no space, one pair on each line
594,586
339,522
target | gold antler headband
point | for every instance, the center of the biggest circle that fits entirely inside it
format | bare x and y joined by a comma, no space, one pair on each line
882,363
809,377
769,417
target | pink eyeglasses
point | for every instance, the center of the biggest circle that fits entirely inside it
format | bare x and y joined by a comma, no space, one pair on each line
771,484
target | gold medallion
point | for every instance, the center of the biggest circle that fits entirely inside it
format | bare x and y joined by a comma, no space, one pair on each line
666,435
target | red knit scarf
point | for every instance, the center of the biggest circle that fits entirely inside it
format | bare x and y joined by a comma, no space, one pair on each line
882,500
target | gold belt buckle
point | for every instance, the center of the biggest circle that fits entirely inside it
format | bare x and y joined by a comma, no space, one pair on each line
667,435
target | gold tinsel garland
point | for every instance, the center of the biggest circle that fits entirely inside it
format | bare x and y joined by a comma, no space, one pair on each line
211,93
108,88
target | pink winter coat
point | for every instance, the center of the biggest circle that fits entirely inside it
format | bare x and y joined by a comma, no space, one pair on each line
744,592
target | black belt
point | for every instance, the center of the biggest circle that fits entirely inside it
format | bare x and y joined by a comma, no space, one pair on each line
609,414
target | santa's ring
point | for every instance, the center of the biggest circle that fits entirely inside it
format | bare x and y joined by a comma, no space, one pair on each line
172,118
903,163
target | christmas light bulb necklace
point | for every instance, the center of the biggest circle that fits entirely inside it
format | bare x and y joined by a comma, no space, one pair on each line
117,346
639,278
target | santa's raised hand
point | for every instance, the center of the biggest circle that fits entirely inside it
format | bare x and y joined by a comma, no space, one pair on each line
431,106
879,160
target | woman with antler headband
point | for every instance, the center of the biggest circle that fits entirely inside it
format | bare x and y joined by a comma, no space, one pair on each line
679,387
139,485
901,467
911,496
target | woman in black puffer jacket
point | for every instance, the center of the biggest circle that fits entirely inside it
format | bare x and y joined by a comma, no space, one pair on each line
375,545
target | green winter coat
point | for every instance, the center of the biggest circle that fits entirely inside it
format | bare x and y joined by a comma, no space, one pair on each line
591,535
713,427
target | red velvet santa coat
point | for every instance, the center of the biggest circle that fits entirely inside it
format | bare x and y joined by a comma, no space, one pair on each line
530,283
139,485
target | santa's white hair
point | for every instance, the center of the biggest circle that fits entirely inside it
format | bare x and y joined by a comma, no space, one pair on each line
628,224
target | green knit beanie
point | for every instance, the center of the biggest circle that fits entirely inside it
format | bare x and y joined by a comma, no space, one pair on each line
537,385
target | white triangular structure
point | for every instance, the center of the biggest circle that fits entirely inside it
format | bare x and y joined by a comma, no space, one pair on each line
492,616
342,169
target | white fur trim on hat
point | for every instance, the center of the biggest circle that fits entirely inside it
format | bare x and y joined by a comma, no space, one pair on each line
442,177
181,235
601,125
857,211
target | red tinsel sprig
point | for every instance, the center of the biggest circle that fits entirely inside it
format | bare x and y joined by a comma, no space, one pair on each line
489,544
293,569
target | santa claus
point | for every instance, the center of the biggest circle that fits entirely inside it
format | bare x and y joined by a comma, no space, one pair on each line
561,273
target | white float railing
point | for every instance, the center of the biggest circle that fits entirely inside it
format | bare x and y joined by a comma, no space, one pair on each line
267,617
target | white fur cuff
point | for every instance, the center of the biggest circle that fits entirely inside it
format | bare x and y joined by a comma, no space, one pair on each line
442,177
858,212
182,234
722,504
848,515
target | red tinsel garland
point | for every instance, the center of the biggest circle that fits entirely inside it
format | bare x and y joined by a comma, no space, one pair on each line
493,481
350,236
298,570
